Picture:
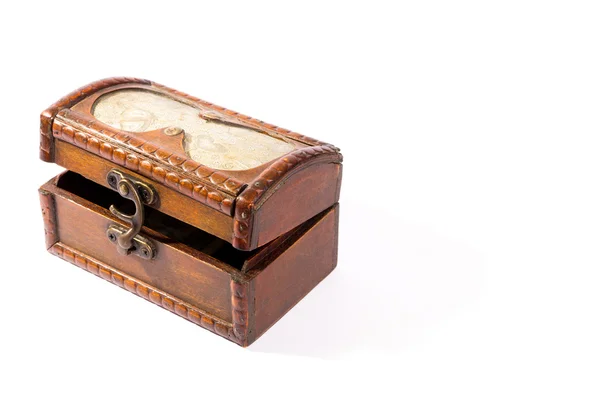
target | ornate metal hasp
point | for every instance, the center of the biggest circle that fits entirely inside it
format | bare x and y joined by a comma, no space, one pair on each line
128,239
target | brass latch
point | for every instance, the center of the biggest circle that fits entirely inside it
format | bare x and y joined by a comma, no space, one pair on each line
128,240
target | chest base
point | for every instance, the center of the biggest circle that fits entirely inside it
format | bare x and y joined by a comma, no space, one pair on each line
236,295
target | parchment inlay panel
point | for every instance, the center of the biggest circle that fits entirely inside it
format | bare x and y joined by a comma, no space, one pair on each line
212,143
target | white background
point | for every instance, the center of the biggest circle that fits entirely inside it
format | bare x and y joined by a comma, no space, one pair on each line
470,230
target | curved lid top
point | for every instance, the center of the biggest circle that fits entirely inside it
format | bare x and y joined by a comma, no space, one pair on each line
211,142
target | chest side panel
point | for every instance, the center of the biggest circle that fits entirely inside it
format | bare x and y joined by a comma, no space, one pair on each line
295,272
82,226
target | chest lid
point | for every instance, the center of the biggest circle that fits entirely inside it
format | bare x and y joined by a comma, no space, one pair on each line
241,179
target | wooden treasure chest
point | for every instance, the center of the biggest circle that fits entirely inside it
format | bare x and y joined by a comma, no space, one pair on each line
223,219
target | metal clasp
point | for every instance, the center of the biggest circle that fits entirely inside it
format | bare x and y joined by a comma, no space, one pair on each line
128,240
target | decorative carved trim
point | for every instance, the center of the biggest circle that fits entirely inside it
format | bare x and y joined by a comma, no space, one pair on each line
49,213
166,301
47,116
239,303
247,202
149,161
